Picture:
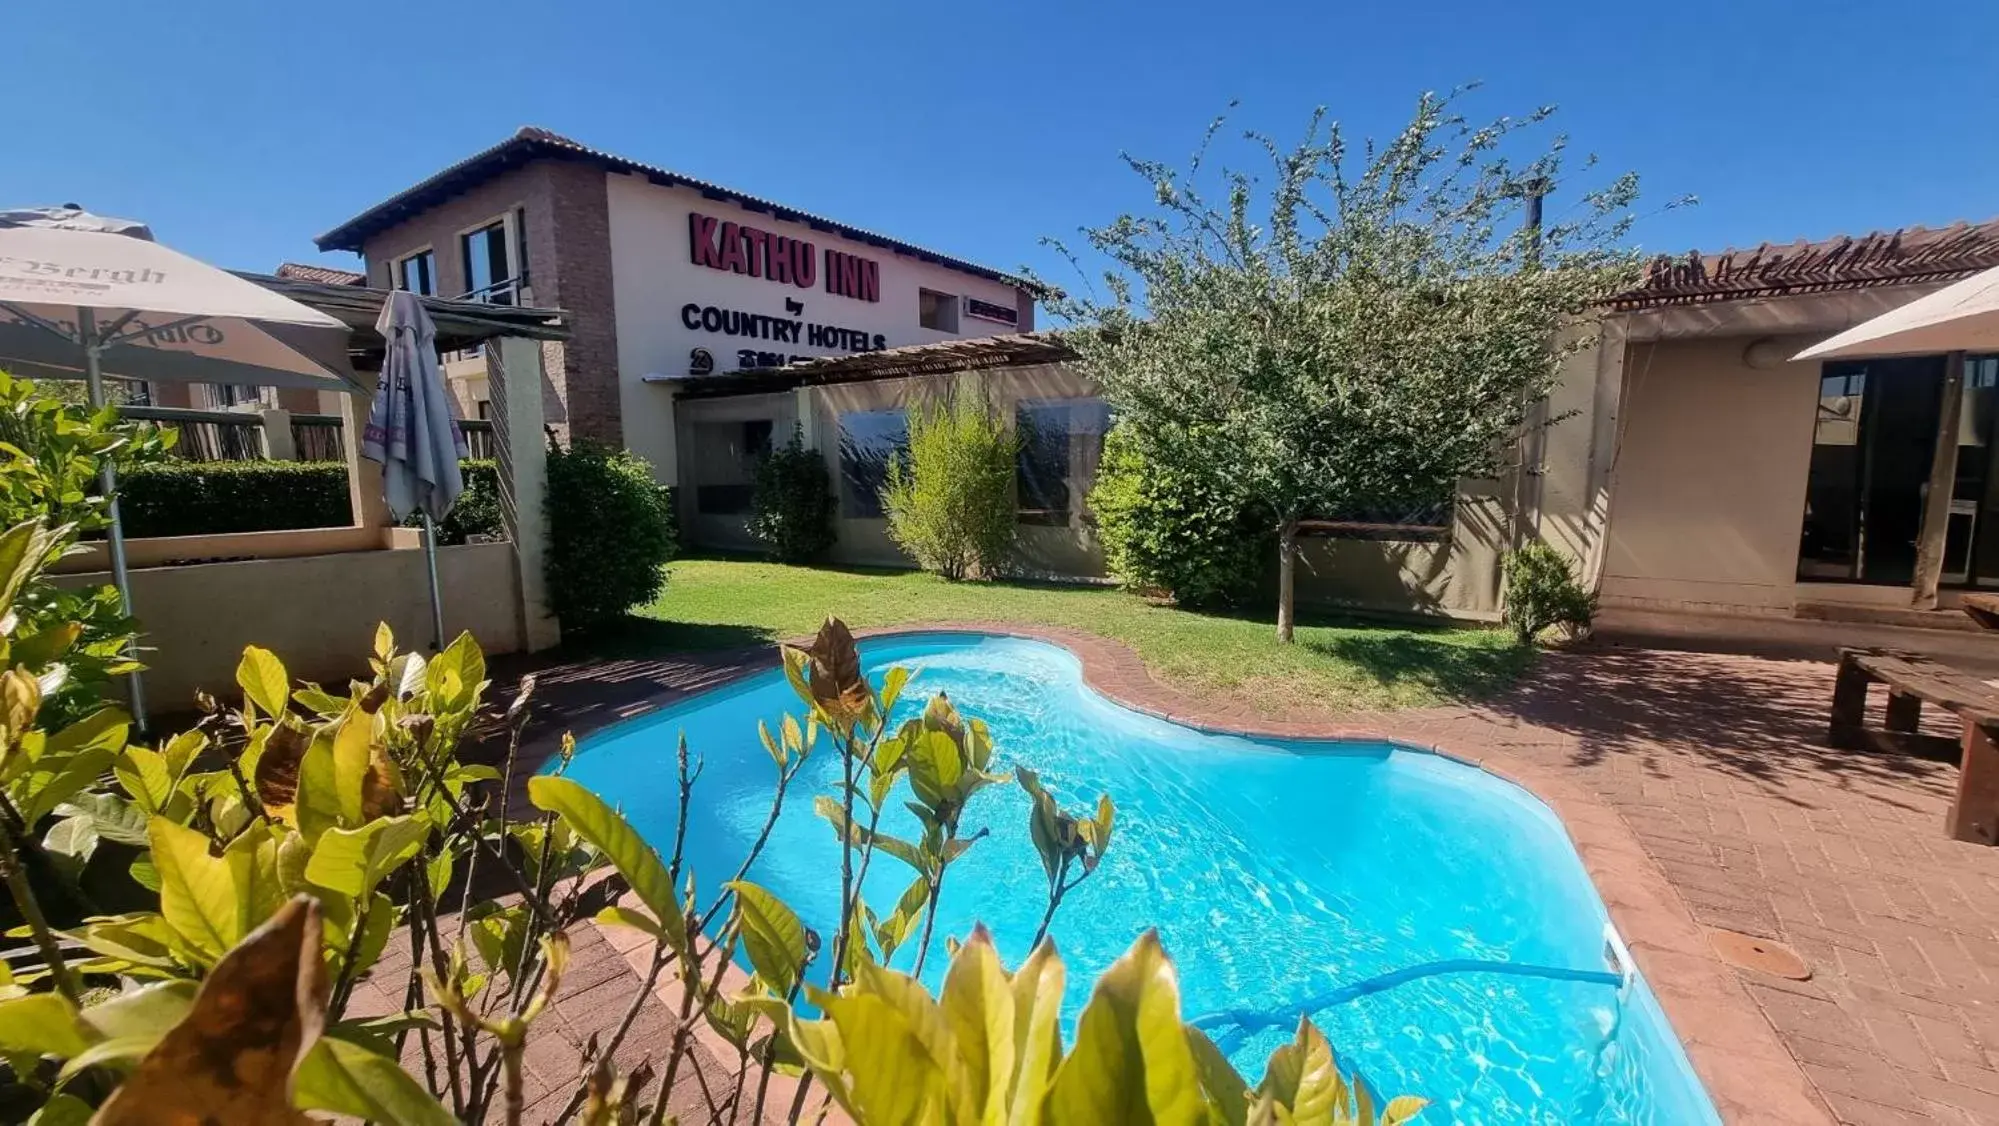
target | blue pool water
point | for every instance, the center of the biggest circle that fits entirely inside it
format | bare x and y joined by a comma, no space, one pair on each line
1281,875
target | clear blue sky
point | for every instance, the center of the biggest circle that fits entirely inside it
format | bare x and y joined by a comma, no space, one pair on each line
242,129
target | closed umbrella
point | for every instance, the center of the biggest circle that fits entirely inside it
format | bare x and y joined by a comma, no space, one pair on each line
411,432
87,297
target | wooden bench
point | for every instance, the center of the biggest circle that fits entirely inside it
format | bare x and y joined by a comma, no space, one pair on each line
1912,681
1982,608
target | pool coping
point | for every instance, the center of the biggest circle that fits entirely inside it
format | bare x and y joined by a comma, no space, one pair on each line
1748,1073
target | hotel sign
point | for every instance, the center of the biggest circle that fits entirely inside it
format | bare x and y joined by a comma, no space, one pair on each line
739,248
992,311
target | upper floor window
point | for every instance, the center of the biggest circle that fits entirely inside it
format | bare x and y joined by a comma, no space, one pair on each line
493,262
418,273
937,310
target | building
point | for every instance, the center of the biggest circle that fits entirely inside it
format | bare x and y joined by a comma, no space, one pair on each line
1725,477
663,276
1695,466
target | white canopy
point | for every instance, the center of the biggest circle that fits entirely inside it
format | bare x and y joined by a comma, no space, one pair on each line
159,314
1959,318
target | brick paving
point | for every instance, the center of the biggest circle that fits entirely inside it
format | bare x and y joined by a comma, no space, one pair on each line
1715,765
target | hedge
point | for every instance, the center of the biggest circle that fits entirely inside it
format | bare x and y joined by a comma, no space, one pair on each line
192,498
477,512
196,498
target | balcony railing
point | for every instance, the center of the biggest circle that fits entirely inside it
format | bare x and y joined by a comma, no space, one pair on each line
207,435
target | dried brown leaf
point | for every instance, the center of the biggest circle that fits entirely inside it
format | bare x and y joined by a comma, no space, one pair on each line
230,1061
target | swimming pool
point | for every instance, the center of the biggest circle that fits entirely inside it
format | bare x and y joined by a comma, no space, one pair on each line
1374,886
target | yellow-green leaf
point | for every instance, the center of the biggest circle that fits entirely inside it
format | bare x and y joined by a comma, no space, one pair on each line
1225,1088
1303,1076
626,917
43,1024
773,936
1131,1061
62,1110
142,1013
350,763
978,1007
143,773
353,861
1037,1012
349,1079
1401,1109
588,817
890,1074
262,678
197,891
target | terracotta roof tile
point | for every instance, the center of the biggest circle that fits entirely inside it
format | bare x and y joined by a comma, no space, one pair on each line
1899,257
325,275
532,142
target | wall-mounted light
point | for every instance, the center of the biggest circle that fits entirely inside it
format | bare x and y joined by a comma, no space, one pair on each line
1767,352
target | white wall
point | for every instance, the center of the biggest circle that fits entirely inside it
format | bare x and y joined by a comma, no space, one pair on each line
654,276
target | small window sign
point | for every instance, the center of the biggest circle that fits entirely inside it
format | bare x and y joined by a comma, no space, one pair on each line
991,311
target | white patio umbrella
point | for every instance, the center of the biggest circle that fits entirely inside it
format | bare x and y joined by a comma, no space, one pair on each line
84,296
411,432
1957,318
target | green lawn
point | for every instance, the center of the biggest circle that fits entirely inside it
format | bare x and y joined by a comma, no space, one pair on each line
1336,665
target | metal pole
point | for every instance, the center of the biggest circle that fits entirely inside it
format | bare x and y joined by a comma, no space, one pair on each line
436,598
107,482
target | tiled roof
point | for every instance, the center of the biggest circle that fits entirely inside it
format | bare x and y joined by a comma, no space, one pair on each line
1900,257
325,275
936,358
532,143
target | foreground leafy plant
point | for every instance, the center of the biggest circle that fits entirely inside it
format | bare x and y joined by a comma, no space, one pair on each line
52,453
290,838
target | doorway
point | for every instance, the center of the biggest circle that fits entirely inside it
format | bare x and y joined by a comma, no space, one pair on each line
1873,444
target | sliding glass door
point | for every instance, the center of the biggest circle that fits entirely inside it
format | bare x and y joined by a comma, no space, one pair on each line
1872,448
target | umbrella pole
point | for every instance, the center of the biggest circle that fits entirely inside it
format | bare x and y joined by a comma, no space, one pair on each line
107,481
436,598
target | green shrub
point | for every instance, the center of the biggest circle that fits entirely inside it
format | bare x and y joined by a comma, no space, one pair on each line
791,506
1195,538
1542,592
610,530
477,512
193,498
49,469
949,501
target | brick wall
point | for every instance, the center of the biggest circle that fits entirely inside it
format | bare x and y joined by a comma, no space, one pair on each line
569,267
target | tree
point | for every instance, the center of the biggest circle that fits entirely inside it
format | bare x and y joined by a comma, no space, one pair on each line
1382,330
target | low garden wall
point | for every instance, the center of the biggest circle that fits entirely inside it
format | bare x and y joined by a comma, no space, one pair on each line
319,611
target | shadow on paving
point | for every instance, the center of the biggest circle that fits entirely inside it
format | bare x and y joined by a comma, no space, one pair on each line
597,679
1759,719
1456,672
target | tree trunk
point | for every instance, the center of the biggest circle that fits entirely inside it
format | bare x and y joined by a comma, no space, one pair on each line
1287,567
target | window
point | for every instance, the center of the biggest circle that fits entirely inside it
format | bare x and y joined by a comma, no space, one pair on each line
418,273
868,440
725,464
937,310
490,273
1872,443
485,409
1060,443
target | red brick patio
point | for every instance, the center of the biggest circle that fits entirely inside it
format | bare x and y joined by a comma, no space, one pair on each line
1701,794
